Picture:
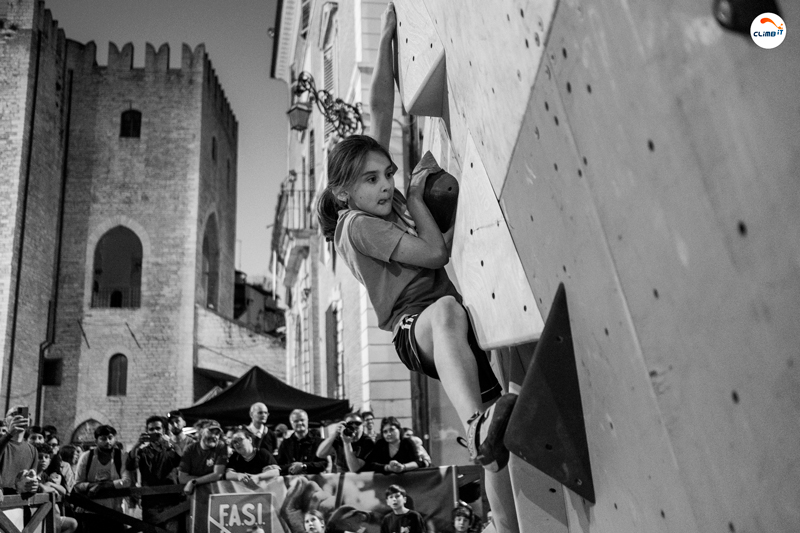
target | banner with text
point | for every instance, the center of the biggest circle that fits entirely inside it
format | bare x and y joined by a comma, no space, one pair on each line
349,502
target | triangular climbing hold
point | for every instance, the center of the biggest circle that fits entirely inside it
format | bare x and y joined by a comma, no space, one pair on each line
546,428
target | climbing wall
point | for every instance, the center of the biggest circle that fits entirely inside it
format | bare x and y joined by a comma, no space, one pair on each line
646,158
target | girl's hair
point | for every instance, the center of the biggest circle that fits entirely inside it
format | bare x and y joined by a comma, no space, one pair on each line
345,162
392,421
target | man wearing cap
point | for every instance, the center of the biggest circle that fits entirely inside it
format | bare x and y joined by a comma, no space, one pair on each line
204,461
263,437
178,438
298,453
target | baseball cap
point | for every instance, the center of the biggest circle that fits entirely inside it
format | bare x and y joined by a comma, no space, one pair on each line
213,424
174,414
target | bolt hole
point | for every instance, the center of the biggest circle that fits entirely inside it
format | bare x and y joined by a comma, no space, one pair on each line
559,339
663,515
569,87
406,39
481,263
531,218
556,119
580,173
564,267
527,44
536,38
492,90
585,162
413,58
492,296
548,446
588,88
606,330
651,146
731,528
552,490
555,165
431,45
470,165
655,293
735,396
522,13
470,232
525,308
470,63
611,424
564,52
615,506
546,106
742,228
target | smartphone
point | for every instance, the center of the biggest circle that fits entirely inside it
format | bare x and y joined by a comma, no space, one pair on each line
23,411
155,437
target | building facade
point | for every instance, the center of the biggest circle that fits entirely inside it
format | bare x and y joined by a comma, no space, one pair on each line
121,221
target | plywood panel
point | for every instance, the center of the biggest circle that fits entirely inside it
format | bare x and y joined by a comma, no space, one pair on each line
489,272
420,60
539,499
692,168
558,235
493,51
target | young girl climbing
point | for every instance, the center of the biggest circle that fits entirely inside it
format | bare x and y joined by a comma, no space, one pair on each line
395,249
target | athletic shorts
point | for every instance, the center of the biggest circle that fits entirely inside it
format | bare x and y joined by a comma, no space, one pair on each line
405,343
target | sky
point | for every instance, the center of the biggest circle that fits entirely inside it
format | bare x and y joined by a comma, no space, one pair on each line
240,49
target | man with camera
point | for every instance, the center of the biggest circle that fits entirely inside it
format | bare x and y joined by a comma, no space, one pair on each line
156,458
348,444
18,458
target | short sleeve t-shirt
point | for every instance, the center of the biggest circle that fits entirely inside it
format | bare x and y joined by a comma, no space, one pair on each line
198,462
366,243
262,459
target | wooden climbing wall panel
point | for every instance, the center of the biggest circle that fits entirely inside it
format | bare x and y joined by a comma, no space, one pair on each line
492,52
489,272
647,159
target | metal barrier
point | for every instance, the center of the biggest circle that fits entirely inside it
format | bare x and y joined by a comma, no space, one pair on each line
44,514
134,524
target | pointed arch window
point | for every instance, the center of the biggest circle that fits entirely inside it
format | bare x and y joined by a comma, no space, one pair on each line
117,375
131,123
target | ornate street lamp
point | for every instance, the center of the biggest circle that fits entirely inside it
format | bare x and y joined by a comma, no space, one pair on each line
345,118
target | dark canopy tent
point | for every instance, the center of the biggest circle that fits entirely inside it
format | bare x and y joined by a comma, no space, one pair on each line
232,405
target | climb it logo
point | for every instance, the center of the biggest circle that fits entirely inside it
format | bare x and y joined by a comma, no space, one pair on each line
768,30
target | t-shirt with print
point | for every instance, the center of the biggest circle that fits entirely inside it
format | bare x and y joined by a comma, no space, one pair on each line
366,243
198,462
410,522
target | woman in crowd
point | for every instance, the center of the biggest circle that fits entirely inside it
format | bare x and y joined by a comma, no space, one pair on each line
249,464
392,454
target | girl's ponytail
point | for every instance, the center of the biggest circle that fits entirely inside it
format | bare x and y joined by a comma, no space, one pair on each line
328,212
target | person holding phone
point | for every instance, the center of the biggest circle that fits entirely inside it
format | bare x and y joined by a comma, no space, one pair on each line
17,457
156,457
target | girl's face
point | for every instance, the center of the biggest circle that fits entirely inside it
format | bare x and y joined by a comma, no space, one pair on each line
391,434
373,188
313,524
461,524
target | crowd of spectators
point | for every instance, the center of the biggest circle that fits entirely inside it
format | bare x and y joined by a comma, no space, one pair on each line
167,453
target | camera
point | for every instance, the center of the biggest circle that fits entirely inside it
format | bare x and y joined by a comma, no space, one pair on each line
350,429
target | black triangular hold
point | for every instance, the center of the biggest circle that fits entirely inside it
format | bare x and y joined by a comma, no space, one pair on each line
546,428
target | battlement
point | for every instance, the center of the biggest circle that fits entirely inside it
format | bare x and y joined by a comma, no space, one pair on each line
220,100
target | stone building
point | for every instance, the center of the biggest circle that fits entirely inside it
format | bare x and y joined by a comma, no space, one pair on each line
121,219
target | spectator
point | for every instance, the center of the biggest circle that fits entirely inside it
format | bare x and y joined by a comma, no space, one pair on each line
298,453
156,457
369,425
264,438
424,456
178,437
69,456
314,522
401,519
49,431
393,454
103,468
35,435
53,483
248,463
203,461
464,518
348,443
57,466
3,427
281,432
18,458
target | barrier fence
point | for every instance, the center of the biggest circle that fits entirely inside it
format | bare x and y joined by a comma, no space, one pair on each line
349,502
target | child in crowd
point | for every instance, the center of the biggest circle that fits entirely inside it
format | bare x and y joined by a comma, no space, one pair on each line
401,519
53,483
395,249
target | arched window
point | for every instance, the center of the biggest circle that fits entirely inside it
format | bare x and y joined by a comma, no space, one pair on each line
117,270
211,263
84,433
117,375
131,123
